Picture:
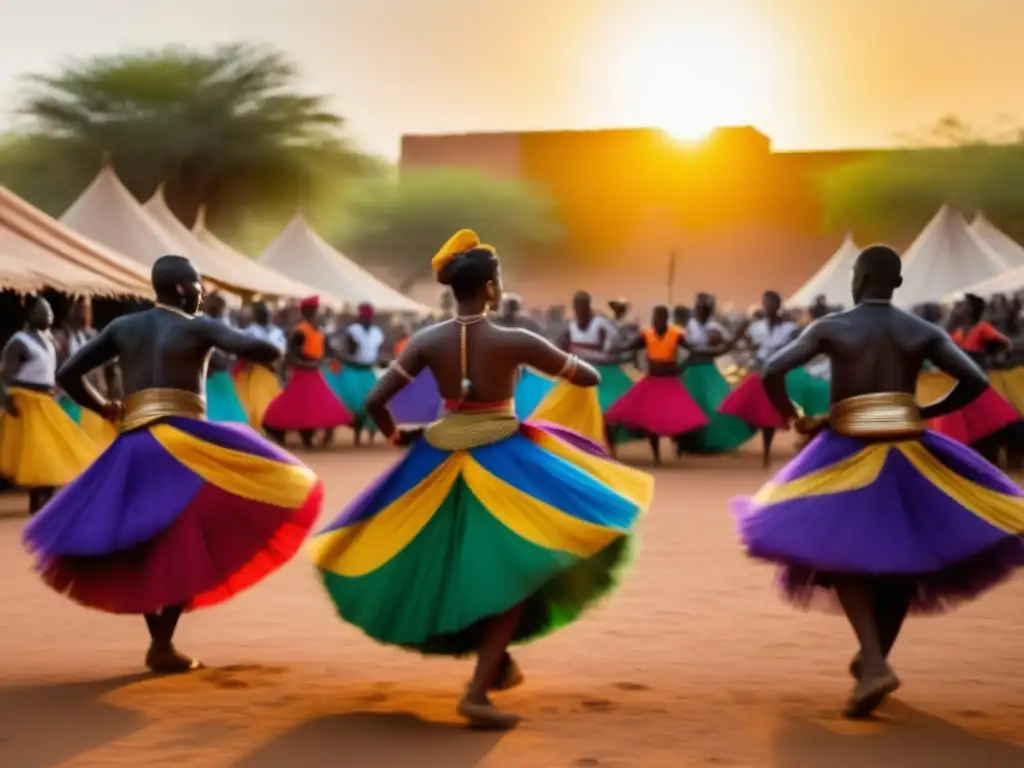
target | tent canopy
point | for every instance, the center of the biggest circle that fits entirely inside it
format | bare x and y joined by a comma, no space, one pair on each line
303,255
36,251
1007,282
946,258
1008,249
832,280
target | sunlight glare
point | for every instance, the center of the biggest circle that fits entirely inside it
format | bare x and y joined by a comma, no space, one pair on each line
685,76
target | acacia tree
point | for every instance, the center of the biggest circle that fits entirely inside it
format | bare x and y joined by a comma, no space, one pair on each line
898,191
397,222
226,128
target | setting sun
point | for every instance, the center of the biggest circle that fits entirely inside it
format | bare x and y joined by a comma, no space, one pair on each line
686,75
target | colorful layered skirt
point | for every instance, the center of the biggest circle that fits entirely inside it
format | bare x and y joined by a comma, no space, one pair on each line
351,385
989,414
657,405
450,537
222,401
749,402
531,389
418,403
616,380
724,432
179,512
94,425
42,447
578,409
306,403
930,511
257,386
1009,382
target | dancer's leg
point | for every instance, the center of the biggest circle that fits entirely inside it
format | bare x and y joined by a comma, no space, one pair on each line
877,679
475,705
162,656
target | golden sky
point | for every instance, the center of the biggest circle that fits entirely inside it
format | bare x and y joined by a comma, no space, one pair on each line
810,73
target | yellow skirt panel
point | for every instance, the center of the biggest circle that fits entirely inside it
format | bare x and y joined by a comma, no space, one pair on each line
42,447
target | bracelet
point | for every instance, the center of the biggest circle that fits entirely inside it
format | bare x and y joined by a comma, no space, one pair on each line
397,368
569,367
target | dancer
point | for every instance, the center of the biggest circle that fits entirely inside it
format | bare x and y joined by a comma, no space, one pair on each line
984,423
222,400
879,512
748,401
179,513
73,336
511,315
362,341
41,448
490,530
658,404
707,340
532,387
258,383
589,336
307,404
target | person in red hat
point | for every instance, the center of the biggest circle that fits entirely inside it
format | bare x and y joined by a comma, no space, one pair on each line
307,404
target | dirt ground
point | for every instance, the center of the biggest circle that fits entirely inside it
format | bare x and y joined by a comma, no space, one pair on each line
694,662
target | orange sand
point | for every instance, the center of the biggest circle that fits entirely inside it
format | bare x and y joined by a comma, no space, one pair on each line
695,662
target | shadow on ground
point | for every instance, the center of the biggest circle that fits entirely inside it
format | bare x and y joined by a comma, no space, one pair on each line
42,726
371,739
903,736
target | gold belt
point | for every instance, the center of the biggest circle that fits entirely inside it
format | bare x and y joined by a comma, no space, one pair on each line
149,405
882,415
465,431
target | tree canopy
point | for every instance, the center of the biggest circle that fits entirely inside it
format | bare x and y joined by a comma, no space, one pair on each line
898,191
226,128
395,223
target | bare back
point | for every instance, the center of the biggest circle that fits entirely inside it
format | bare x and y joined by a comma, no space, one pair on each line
494,356
159,348
875,347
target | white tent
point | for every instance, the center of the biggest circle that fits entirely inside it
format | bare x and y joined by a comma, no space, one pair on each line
303,255
946,258
223,264
1000,242
832,280
1007,282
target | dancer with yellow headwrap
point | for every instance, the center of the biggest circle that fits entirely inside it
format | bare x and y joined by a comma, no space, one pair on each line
879,513
41,447
489,531
179,513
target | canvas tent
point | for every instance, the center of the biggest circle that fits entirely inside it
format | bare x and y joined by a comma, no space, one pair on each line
1008,249
223,264
303,255
946,258
37,252
1007,282
832,280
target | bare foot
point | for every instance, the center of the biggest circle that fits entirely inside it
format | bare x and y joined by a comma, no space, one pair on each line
480,713
869,693
857,666
510,675
167,661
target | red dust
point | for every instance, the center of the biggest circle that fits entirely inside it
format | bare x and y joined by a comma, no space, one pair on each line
694,662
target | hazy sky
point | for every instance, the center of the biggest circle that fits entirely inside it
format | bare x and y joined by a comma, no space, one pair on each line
810,73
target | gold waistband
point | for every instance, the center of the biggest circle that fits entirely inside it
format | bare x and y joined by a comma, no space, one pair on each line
149,405
883,415
465,431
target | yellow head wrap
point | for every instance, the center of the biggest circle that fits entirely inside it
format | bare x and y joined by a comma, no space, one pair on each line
463,241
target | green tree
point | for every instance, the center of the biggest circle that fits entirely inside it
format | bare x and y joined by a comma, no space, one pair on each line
400,223
898,191
225,128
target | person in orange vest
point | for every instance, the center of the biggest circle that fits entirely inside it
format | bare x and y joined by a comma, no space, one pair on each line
306,405
658,404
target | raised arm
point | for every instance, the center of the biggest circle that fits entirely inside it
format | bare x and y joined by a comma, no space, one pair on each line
971,381
537,352
97,352
235,342
800,351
